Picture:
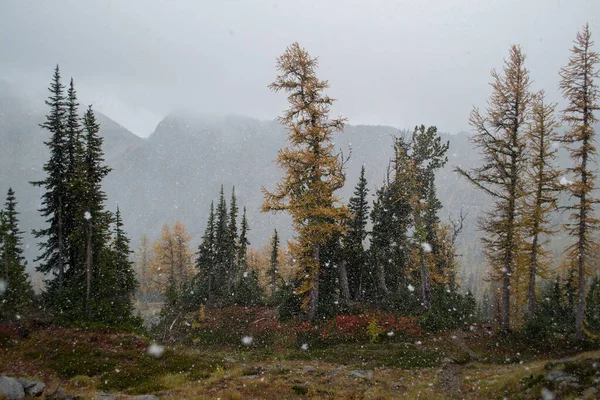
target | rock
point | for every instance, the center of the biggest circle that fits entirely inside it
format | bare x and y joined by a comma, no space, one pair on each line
32,388
250,376
144,397
363,374
62,395
308,368
11,389
560,377
230,360
104,396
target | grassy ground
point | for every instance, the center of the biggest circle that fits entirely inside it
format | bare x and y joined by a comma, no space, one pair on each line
451,365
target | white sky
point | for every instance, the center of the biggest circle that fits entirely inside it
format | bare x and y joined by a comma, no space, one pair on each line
397,63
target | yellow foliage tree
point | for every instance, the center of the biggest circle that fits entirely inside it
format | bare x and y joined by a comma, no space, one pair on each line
313,171
172,262
581,93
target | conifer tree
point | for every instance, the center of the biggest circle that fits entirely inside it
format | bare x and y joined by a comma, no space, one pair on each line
206,258
428,155
95,219
232,253
360,277
500,138
117,282
543,187
18,293
581,92
242,249
222,249
75,178
274,262
313,171
53,245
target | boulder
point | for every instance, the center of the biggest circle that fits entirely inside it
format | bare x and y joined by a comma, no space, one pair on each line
11,389
560,377
32,388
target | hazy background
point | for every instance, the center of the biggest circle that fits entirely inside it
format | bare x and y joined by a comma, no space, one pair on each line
397,63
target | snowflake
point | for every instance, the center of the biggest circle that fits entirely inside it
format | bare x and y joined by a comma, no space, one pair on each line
304,347
247,340
426,247
411,288
156,350
87,215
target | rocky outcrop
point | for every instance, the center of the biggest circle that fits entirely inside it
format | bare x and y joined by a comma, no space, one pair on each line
11,389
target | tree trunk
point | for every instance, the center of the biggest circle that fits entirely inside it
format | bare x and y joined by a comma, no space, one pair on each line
313,299
381,279
531,301
61,248
344,288
425,285
581,245
88,266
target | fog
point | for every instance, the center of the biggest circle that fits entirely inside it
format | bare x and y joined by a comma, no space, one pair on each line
388,62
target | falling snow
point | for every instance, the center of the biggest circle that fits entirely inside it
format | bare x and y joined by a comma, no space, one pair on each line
156,350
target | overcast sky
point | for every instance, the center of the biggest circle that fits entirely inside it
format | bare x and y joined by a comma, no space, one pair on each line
397,63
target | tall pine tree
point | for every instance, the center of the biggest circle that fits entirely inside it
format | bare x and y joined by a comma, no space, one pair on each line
17,294
53,244
360,276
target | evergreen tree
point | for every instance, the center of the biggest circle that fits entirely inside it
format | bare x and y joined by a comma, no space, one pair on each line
222,250
592,306
116,282
75,194
242,249
499,135
95,219
53,245
428,155
313,171
543,186
581,92
206,258
274,262
18,293
232,253
360,277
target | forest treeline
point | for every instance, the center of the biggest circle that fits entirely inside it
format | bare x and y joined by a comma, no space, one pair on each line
406,264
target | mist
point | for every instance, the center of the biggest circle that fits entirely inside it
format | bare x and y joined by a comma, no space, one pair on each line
397,63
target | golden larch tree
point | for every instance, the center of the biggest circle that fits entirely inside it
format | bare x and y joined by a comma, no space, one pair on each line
313,170
581,92
172,262
500,138
542,198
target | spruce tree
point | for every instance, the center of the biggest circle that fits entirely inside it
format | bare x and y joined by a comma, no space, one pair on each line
222,249
116,280
95,218
232,253
53,246
206,258
581,92
313,170
360,276
428,155
500,138
18,293
274,262
243,245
